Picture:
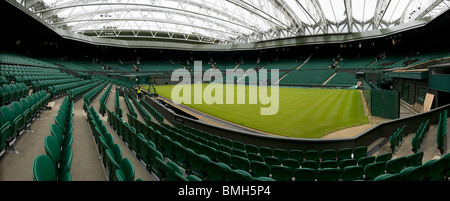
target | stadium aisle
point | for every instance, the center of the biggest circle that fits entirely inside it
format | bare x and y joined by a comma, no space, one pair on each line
19,167
86,165
140,170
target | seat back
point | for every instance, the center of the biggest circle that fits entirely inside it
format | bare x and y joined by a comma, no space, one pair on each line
305,174
328,174
44,169
281,173
127,168
53,149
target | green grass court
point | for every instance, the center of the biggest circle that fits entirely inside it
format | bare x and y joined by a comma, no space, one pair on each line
303,113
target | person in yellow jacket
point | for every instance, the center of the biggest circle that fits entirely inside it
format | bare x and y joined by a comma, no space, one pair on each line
139,92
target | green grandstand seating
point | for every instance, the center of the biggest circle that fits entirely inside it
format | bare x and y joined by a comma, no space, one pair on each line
328,174
373,170
352,173
396,165
281,173
259,169
305,174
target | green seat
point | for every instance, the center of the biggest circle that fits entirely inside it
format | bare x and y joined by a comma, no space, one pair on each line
272,160
5,128
197,163
238,175
291,163
111,164
238,145
347,162
414,159
435,170
8,96
312,164
280,153
44,169
251,149
193,178
305,174
328,164
414,173
281,173
396,165
328,154
223,157
296,154
259,169
19,113
312,155
373,170
262,179
255,157
365,160
173,172
240,153
265,151
216,171
383,157
9,116
62,160
352,173
389,177
359,152
3,96
328,174
344,153
238,162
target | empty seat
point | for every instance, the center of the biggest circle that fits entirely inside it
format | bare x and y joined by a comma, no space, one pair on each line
352,173
312,155
396,165
259,169
305,174
238,175
373,170
281,173
328,154
328,174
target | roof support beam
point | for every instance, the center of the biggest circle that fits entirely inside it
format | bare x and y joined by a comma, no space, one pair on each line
348,12
430,8
380,10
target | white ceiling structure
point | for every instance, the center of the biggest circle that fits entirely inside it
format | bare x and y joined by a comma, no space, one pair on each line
228,21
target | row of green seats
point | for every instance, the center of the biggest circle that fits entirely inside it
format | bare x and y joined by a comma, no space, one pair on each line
118,167
158,116
131,110
117,108
61,89
184,164
140,108
104,99
38,85
432,170
342,79
76,93
90,95
396,138
263,151
417,140
442,131
58,148
12,92
15,117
